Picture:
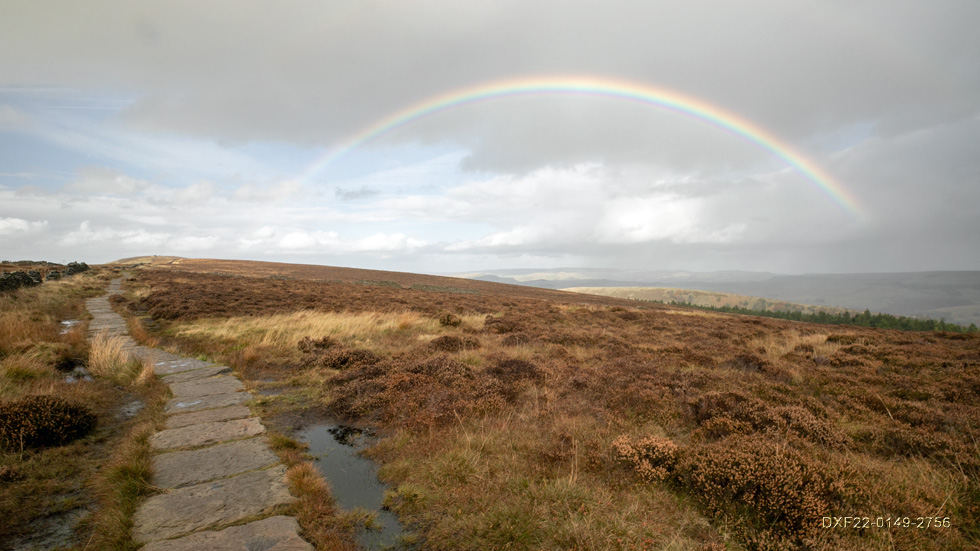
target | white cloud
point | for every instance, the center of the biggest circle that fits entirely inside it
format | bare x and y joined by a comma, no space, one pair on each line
147,220
86,234
102,180
15,226
298,240
639,219
190,243
276,193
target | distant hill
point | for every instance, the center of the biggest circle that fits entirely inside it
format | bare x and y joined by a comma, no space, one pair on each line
704,298
953,296
152,260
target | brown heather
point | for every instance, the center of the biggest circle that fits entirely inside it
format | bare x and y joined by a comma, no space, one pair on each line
38,421
596,423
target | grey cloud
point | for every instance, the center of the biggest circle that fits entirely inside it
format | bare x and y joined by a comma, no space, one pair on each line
315,72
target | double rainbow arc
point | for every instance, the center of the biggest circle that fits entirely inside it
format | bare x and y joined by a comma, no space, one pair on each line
604,87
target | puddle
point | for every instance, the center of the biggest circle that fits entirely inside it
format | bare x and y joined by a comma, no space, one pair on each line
130,409
67,326
79,373
353,479
270,390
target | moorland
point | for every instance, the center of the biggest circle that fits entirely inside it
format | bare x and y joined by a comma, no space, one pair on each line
522,418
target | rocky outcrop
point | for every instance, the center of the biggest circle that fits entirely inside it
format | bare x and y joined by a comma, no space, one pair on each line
11,281
75,268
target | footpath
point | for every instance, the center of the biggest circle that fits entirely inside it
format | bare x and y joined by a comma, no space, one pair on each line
221,481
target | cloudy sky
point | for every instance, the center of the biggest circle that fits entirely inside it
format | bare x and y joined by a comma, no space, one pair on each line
257,130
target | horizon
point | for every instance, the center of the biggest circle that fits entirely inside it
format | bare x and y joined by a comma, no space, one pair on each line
380,137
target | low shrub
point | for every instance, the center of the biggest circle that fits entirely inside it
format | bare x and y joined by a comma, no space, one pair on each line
450,320
781,492
309,346
516,339
38,421
720,427
346,358
513,369
501,325
748,362
452,343
331,354
652,457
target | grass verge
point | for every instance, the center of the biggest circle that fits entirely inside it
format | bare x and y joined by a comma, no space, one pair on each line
322,524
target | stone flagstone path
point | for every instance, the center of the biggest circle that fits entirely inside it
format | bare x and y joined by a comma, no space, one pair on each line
212,461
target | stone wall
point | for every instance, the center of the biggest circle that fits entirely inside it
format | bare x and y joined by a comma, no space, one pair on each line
11,281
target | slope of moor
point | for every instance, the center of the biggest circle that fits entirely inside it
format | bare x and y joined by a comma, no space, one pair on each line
523,418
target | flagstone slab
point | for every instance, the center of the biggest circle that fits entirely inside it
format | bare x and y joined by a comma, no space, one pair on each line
206,433
168,367
178,405
230,476
175,469
277,533
207,416
196,374
210,504
221,384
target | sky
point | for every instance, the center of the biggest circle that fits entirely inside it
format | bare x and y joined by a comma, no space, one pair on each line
440,136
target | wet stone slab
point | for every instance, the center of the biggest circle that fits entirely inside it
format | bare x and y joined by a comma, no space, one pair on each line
207,416
196,374
210,504
178,405
168,367
206,433
222,384
177,469
277,533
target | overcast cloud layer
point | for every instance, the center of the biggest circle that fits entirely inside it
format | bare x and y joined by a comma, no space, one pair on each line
187,128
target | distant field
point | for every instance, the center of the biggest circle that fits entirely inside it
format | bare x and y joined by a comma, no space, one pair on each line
703,298
522,418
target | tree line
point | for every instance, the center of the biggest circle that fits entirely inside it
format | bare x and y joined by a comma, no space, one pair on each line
863,319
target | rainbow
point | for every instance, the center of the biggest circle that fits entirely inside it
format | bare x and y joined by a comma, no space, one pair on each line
604,87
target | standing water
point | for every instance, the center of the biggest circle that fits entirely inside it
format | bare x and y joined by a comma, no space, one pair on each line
353,479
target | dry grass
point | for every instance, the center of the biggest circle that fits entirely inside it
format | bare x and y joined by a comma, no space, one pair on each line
41,485
542,422
321,522
108,360
106,472
282,331
125,481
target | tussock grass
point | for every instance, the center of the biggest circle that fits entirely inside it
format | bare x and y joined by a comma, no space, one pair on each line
283,331
108,360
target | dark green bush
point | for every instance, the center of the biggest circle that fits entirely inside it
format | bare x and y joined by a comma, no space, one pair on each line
38,421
